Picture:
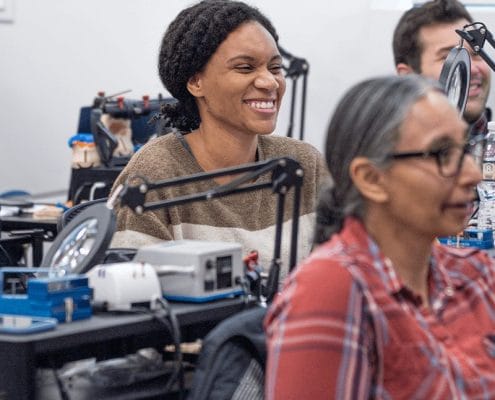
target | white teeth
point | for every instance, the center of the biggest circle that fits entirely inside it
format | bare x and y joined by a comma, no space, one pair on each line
261,104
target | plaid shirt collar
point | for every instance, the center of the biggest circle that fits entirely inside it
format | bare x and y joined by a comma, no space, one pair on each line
361,246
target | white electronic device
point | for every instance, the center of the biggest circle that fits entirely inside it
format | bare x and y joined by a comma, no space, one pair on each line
194,270
121,286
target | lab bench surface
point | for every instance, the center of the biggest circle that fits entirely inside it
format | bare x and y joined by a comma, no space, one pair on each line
102,336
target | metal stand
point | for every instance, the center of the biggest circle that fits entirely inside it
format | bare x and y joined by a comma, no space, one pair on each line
296,68
476,34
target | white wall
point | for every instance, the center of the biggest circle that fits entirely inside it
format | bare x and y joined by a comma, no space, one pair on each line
56,55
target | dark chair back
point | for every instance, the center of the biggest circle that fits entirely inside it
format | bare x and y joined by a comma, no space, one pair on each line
231,364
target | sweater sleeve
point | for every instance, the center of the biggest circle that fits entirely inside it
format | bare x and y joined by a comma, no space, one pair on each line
319,337
150,224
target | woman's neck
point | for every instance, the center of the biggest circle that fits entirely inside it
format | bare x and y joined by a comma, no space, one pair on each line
217,149
410,253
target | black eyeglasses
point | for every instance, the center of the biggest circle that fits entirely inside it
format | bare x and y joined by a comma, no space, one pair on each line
449,158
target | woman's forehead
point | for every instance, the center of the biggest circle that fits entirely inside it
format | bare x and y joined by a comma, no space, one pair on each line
430,118
247,36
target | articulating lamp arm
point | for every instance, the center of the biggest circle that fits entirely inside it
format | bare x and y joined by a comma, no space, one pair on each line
475,35
286,173
297,66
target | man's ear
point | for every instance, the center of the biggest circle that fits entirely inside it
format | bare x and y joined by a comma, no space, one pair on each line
368,179
403,69
194,85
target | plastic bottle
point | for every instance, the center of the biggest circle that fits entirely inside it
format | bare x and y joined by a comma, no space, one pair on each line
486,188
489,154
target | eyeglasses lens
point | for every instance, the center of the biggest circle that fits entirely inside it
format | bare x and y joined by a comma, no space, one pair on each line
450,160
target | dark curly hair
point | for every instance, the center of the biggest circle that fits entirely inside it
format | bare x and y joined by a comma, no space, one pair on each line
406,44
189,42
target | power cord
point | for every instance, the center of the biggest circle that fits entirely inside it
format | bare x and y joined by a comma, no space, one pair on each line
76,198
174,329
165,315
64,395
7,255
169,320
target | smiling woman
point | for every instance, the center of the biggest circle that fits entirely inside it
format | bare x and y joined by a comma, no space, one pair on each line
220,60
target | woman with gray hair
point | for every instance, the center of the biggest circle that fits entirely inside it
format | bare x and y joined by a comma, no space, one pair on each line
380,309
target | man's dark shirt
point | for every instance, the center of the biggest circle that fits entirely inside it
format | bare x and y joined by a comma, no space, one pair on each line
480,127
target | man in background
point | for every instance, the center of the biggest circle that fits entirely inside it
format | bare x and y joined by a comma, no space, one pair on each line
422,40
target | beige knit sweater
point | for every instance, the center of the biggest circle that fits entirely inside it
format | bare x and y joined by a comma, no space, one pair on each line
246,218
